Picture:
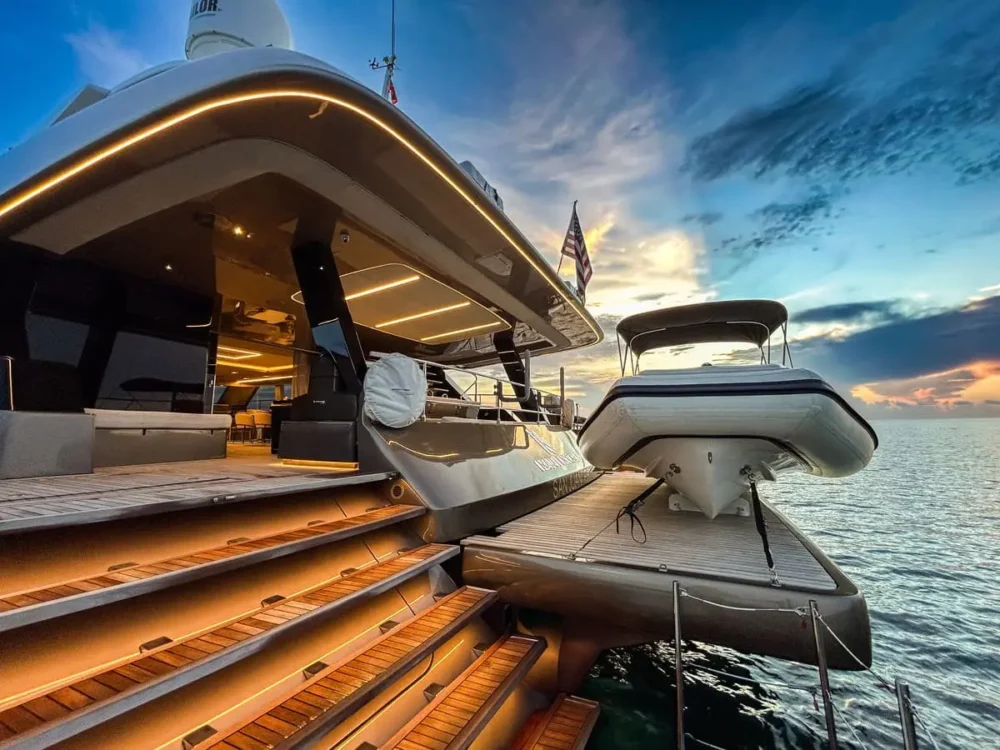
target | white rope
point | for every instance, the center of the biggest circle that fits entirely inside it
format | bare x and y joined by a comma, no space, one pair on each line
885,683
850,726
927,730
702,742
801,611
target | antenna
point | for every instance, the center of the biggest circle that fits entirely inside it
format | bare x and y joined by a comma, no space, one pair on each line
388,64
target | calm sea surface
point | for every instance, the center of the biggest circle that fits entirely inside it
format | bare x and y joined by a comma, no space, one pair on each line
919,532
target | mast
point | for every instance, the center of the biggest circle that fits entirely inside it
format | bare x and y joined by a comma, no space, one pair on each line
388,63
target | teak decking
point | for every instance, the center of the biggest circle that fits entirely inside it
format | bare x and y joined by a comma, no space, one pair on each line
73,708
333,694
35,605
457,715
566,725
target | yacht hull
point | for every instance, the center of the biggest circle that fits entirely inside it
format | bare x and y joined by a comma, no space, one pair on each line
707,431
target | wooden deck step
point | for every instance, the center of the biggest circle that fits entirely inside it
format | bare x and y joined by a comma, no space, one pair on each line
75,707
26,607
454,719
108,495
566,725
332,695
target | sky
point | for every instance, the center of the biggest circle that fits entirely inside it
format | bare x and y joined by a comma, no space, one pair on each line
843,158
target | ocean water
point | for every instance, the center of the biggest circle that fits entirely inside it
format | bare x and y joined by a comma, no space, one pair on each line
919,532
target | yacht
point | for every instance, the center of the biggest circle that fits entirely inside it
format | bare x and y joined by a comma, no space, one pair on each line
253,491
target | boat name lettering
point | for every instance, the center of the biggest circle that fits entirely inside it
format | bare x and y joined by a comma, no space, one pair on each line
204,6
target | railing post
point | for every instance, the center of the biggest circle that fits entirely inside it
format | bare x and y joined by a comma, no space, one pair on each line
678,666
562,387
824,677
906,715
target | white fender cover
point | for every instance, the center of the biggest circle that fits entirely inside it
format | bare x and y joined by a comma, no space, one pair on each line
395,391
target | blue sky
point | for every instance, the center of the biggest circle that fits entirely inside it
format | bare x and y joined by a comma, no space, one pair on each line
842,157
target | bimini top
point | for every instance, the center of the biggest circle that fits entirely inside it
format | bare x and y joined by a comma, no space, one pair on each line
751,320
200,175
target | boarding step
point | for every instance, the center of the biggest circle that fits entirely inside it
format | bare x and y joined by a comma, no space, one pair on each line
50,502
456,716
565,725
35,605
333,694
75,707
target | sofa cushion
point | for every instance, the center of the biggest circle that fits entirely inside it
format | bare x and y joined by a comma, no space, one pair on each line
118,419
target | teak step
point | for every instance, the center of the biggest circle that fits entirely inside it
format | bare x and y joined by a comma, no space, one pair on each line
332,695
566,725
76,707
454,719
35,605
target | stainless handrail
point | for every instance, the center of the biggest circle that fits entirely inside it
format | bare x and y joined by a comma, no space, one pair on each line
542,415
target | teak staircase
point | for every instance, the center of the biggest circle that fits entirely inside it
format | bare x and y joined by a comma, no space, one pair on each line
306,705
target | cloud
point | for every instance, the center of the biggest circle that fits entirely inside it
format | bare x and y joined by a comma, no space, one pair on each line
908,347
777,223
103,58
705,218
850,312
862,120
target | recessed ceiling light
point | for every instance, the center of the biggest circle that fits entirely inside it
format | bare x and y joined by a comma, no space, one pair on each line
425,314
238,230
168,267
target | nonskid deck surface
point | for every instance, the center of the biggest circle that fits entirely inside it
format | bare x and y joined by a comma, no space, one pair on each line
581,527
121,582
334,692
459,713
565,725
76,706
122,492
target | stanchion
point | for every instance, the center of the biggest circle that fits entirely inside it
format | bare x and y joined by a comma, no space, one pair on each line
678,666
906,715
824,677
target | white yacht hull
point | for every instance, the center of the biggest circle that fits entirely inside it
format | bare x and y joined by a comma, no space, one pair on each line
705,430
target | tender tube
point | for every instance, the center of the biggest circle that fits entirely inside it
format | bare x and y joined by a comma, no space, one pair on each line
788,388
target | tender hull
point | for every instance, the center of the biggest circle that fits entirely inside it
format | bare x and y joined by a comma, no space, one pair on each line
704,429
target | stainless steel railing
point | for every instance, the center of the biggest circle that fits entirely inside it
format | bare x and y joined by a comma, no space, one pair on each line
492,392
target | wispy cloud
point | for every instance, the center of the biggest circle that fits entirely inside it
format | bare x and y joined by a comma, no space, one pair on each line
102,56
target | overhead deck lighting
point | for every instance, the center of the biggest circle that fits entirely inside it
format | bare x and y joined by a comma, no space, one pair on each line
227,101
383,287
260,368
234,355
269,379
457,331
425,314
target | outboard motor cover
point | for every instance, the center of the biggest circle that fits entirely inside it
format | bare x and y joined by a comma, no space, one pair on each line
395,391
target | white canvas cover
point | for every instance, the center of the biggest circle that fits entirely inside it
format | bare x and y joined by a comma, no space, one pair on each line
395,391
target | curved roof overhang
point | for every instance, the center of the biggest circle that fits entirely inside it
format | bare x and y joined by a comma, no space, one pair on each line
274,110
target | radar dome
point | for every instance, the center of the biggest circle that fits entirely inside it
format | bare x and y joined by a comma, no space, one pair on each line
221,25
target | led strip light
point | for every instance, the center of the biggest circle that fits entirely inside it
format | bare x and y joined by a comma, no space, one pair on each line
222,102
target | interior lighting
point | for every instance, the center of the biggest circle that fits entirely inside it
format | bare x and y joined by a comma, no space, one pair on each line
233,354
425,314
383,287
457,331
269,379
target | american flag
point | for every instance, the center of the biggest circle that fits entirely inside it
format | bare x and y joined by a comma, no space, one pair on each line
575,246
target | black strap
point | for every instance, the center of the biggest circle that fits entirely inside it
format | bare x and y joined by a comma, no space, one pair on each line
758,515
632,508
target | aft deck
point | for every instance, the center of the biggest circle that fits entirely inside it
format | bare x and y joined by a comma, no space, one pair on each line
249,473
581,527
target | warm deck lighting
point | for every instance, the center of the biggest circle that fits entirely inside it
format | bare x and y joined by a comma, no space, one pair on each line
382,287
234,355
425,314
260,368
212,105
270,379
457,331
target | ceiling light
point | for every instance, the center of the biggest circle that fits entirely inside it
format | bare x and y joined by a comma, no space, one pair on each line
269,379
238,230
446,334
168,267
259,368
425,314
383,287
234,354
